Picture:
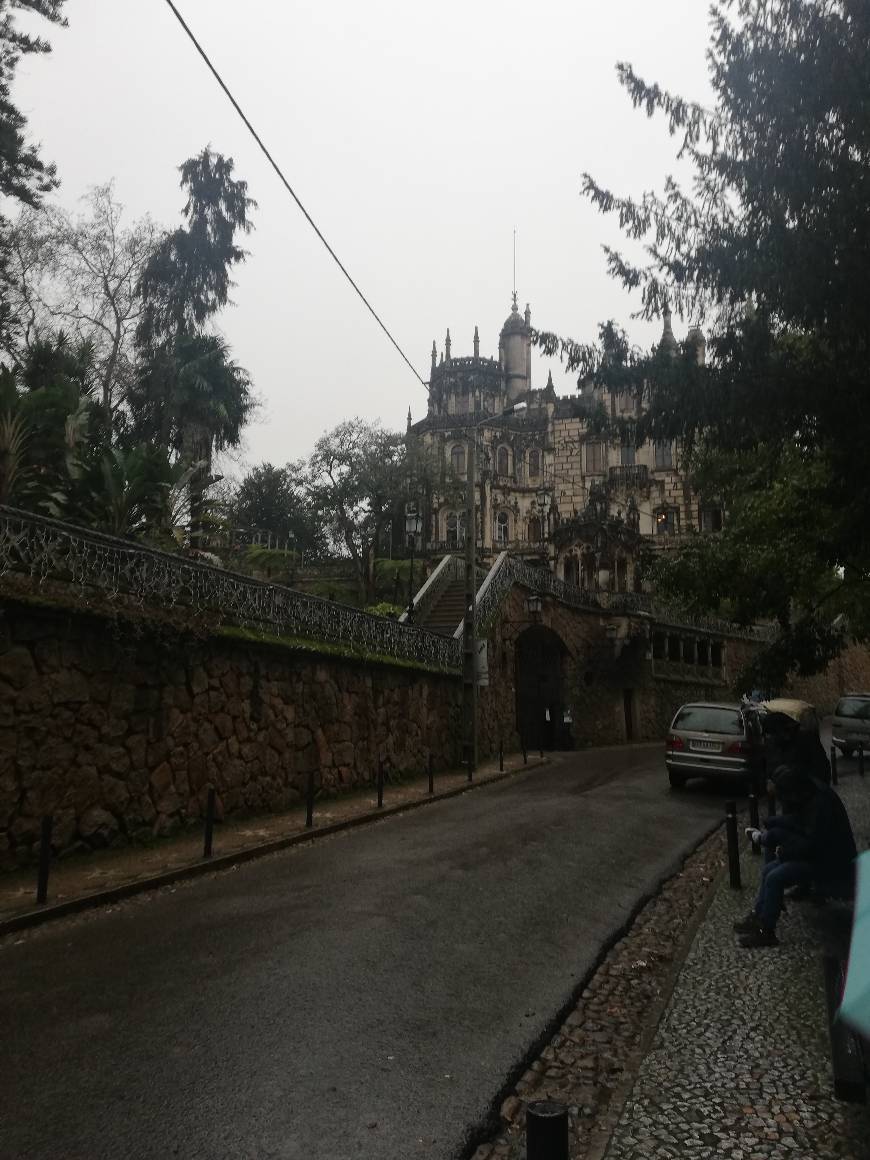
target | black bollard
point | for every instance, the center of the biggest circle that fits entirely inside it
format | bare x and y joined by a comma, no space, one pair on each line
380,783
525,754
753,815
208,840
500,756
861,760
44,860
309,800
431,774
733,849
834,778
546,1131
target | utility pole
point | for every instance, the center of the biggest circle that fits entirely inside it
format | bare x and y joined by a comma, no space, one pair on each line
469,640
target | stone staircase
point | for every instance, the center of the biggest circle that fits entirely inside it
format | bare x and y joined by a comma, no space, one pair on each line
446,611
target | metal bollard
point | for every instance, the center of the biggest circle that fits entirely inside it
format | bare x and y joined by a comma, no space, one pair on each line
834,778
753,816
380,783
44,859
861,760
546,1131
309,800
431,774
500,756
208,840
733,849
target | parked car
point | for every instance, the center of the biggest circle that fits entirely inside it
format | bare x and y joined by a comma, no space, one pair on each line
714,740
851,724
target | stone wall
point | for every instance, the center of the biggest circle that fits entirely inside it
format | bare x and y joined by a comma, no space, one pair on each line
117,729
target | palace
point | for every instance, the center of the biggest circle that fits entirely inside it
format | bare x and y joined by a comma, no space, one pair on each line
546,487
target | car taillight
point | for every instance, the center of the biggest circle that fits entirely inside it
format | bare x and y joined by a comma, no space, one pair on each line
675,742
738,747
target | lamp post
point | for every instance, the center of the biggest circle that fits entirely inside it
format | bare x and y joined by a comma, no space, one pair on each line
469,636
413,527
544,499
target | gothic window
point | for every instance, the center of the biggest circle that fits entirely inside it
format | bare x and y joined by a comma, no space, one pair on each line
572,571
664,454
534,530
588,572
667,521
502,461
501,528
457,459
621,574
534,464
455,529
711,519
594,458
627,454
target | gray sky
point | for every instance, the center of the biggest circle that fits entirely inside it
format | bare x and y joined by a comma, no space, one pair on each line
417,135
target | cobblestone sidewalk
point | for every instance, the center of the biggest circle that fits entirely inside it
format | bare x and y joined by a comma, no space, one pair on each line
740,1065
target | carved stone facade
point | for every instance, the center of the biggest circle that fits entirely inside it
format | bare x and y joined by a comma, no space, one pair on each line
546,486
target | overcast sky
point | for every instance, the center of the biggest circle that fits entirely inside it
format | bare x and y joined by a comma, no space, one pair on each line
417,135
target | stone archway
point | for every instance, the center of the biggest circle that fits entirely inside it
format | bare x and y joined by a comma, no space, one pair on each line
540,657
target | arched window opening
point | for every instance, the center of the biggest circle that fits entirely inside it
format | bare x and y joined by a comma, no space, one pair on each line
534,464
502,525
455,529
571,571
502,461
534,530
457,459
666,521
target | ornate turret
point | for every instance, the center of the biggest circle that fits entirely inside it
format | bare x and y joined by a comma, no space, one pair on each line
447,346
476,343
697,339
434,355
409,420
515,350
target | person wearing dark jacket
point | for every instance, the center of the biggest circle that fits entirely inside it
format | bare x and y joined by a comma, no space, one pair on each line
813,844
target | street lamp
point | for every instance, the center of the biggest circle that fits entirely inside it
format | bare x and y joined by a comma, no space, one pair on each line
544,500
469,637
413,527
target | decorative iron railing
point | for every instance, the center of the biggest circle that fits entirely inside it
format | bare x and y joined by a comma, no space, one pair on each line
48,550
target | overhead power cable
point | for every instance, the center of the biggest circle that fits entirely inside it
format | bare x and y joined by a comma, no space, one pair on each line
289,187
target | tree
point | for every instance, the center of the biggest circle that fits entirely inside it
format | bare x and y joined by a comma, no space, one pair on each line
82,273
273,500
770,249
187,279
355,475
24,176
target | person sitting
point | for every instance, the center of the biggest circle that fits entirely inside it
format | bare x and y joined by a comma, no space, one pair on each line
813,845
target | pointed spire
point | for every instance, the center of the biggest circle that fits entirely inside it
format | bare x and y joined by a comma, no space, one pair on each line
476,343
409,420
434,355
447,346
528,315
515,308
550,382
668,341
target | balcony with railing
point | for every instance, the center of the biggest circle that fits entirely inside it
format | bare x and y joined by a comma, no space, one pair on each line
634,476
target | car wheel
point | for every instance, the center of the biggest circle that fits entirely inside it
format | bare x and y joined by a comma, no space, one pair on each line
677,780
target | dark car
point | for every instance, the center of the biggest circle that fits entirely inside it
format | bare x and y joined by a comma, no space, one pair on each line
714,740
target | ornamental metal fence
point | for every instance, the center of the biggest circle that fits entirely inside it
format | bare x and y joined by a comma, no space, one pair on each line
111,568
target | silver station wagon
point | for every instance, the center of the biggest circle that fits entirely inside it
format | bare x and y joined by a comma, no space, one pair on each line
850,726
714,740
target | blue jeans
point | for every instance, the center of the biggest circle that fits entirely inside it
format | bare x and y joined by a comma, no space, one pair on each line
775,878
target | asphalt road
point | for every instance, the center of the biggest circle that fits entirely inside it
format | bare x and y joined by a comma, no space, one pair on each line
365,996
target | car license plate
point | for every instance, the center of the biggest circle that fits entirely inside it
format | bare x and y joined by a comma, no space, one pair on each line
705,746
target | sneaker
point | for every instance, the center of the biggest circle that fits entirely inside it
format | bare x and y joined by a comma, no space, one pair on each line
759,938
748,924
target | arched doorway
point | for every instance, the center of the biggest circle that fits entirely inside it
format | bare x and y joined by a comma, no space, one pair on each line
540,655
